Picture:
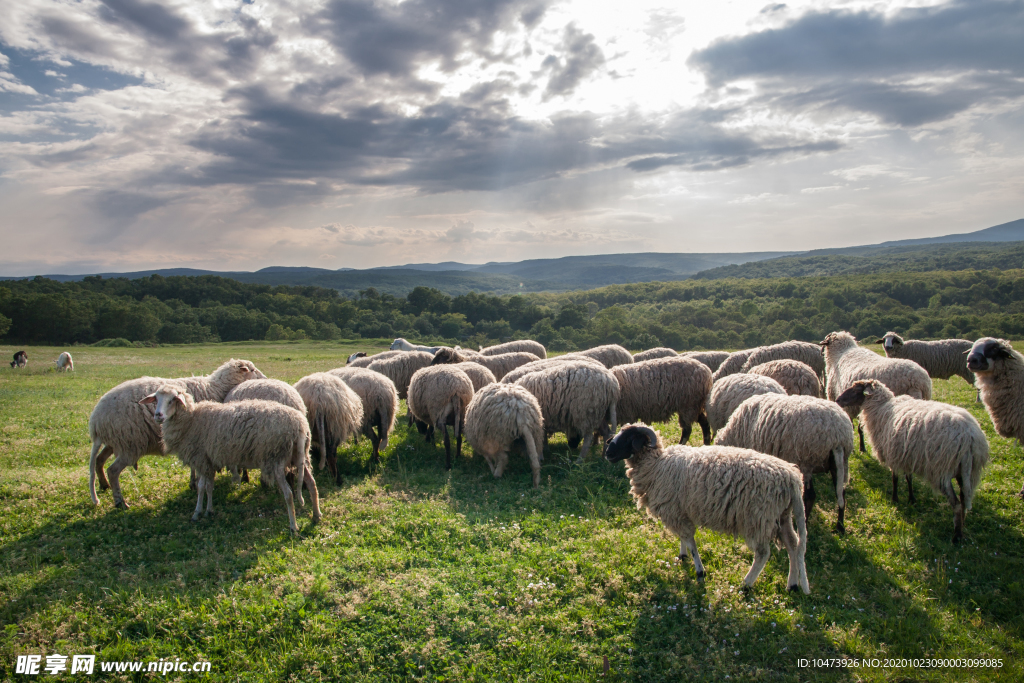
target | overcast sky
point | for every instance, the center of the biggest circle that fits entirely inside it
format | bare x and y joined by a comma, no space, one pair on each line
357,133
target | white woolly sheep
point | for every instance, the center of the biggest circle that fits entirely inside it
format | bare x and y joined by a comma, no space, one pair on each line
264,390
499,365
814,434
513,376
999,372
500,415
576,397
712,359
400,368
438,397
651,354
732,364
361,360
608,355
798,379
519,345
730,490
931,439
402,345
654,390
805,352
247,434
380,404
20,359
479,375
728,393
845,363
335,414
942,359
119,425
64,362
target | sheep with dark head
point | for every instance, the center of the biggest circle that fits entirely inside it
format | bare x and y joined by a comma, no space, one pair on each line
999,373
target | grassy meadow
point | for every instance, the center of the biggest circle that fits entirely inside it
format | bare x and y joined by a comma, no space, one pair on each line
416,573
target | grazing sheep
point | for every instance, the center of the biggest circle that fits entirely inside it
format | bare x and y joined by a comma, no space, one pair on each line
361,360
798,379
712,359
400,369
575,397
999,372
335,414
479,375
499,365
942,359
380,404
730,490
728,393
651,354
20,360
654,390
608,355
248,434
498,416
931,439
814,434
438,397
402,345
805,352
513,376
264,390
64,362
732,364
845,363
520,345
120,425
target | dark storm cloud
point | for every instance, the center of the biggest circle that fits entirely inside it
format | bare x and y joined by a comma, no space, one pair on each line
381,38
865,60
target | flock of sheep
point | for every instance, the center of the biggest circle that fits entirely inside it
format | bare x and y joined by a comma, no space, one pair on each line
779,415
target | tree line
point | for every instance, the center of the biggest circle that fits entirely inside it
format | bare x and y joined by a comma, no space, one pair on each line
689,314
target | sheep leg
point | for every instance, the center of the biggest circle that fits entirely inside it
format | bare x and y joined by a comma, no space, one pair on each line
705,428
689,544
193,480
761,555
839,483
585,448
910,489
114,472
236,477
895,488
199,501
245,476
687,430
572,438
286,491
792,545
958,510
809,496
458,426
531,453
860,431
447,449
314,495
209,494
375,440
101,458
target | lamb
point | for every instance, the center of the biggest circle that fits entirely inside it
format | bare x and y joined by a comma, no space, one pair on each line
402,345
805,352
519,345
20,360
609,355
380,404
942,359
575,397
712,359
845,362
498,416
798,379
264,390
438,397
651,354
931,439
814,434
1000,380
652,390
513,376
361,360
732,364
120,425
64,362
248,434
500,365
335,414
730,490
728,393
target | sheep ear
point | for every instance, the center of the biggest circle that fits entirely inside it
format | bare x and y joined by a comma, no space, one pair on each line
880,341
179,399
149,399
868,389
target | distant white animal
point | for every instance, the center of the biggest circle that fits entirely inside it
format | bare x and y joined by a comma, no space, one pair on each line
402,345
64,362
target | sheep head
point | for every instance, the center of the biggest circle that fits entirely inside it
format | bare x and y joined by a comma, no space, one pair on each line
167,399
890,341
631,440
357,354
862,391
986,353
446,355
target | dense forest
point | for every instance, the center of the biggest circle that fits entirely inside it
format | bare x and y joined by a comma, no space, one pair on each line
689,314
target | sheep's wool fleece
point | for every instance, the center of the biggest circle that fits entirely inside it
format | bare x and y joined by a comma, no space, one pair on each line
400,368
378,395
654,390
731,490
513,376
728,393
712,359
267,390
364,361
501,413
608,355
478,374
573,395
503,363
1002,393
433,390
796,378
803,430
805,352
651,354
520,345
942,359
845,363
327,396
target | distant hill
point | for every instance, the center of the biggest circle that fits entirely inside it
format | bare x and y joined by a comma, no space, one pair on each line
1005,232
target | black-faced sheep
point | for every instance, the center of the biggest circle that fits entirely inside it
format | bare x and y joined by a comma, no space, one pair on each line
655,390
439,396
999,373
942,359
499,416
931,439
798,379
729,490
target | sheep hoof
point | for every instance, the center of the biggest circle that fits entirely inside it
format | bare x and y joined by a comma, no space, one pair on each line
195,517
120,504
701,575
104,486
317,518
793,588
958,538
840,528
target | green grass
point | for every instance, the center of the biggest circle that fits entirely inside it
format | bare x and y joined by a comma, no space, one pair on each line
420,574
